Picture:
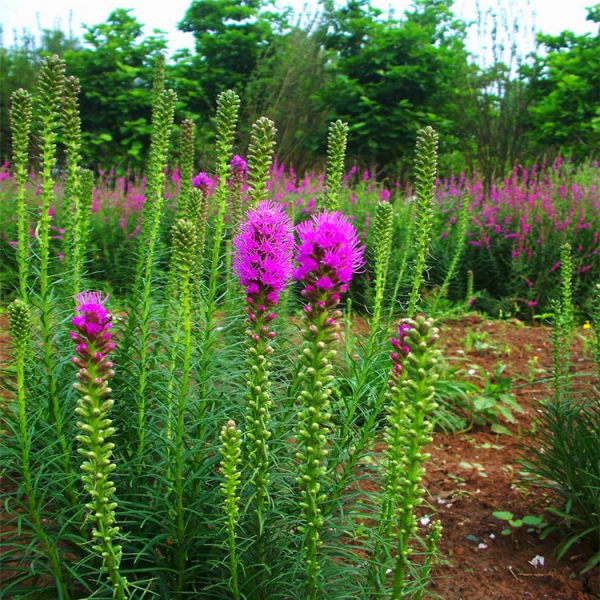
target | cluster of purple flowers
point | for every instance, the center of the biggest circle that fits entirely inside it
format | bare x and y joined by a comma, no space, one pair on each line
328,254
263,259
93,323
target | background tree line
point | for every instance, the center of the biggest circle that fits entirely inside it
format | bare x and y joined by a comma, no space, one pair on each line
387,76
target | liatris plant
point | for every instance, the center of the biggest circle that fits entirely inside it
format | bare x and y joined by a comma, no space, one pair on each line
411,402
93,339
328,255
230,469
20,330
260,158
336,154
425,174
263,263
20,119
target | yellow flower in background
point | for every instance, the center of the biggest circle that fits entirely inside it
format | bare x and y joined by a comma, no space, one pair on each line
587,325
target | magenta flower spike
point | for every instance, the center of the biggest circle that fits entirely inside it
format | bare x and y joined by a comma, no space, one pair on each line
93,324
329,254
263,263
263,257
239,167
93,339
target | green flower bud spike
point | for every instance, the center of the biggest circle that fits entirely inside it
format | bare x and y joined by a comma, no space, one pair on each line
336,155
163,124
230,470
260,159
384,217
20,328
186,163
50,91
425,175
411,402
20,120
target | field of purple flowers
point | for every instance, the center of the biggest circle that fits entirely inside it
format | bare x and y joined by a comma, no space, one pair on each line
512,236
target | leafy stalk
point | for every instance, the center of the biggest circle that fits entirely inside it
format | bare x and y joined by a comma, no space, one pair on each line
20,330
425,174
20,118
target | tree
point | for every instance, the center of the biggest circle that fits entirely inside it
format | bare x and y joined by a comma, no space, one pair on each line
566,110
115,70
393,77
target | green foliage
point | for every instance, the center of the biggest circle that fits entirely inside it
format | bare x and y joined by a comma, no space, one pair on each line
566,109
115,70
392,77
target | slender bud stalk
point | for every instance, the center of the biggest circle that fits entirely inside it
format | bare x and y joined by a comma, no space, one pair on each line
425,174
228,104
20,119
384,217
20,331
260,159
186,163
71,125
336,155
81,226
230,463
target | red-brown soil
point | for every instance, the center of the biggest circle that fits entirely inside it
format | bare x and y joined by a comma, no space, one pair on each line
480,563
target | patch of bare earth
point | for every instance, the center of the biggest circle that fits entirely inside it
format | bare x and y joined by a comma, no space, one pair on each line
470,475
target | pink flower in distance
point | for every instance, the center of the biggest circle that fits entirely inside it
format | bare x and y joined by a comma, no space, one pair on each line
202,181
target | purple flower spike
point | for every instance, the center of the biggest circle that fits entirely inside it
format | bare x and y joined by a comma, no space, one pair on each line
93,324
263,257
202,181
328,256
238,166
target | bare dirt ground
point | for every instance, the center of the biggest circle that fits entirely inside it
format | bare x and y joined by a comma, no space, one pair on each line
470,475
